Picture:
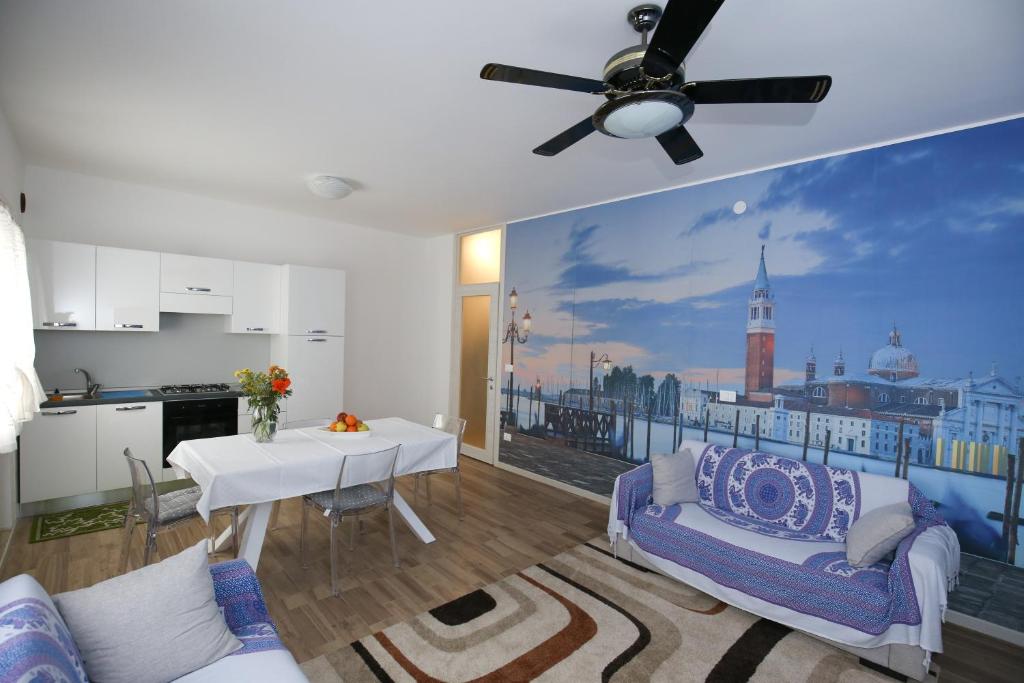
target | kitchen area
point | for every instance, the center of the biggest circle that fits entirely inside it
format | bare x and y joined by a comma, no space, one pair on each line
138,349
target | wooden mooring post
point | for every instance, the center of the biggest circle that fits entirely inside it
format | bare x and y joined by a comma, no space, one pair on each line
736,430
807,433
899,448
1015,512
757,432
906,458
828,445
1011,464
677,432
649,405
707,421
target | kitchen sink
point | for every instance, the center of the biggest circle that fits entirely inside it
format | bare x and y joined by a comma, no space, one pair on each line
124,393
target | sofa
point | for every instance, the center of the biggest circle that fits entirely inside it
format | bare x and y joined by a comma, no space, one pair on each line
35,644
767,535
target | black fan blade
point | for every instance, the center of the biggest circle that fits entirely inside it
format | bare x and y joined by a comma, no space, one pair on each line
680,146
545,79
677,32
808,89
566,138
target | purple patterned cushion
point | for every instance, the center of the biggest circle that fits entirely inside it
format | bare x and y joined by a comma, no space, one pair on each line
35,645
804,497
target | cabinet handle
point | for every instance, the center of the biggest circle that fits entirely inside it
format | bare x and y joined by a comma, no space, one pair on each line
316,339
60,412
197,289
316,331
254,329
129,326
127,408
58,324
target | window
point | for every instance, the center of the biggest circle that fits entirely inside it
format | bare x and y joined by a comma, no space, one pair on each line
753,312
768,313
883,397
480,257
921,401
819,392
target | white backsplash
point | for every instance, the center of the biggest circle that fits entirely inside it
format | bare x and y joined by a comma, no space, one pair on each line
188,349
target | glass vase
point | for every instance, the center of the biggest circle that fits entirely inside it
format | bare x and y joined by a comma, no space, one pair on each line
264,423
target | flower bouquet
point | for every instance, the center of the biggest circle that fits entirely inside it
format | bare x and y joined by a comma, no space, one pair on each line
264,390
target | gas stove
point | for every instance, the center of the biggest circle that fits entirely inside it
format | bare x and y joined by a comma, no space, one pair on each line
191,389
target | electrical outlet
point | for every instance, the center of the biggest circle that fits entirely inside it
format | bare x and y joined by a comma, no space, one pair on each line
507,436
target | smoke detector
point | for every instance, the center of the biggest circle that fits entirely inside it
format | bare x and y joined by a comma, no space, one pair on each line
328,186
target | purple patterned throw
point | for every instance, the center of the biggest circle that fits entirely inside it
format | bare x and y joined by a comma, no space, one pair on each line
241,600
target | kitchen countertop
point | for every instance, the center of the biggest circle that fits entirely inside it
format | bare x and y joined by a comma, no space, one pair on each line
151,396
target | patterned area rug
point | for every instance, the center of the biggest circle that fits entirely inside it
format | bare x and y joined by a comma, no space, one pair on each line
586,616
75,522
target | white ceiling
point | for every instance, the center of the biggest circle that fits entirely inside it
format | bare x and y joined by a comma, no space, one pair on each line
241,99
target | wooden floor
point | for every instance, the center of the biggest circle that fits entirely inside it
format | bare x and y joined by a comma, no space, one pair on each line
511,523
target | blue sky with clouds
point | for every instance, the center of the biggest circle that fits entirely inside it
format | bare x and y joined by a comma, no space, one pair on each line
928,233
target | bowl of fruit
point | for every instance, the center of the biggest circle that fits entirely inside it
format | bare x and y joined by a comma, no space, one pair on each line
348,425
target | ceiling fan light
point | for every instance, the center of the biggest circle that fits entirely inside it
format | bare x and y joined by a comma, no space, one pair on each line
643,119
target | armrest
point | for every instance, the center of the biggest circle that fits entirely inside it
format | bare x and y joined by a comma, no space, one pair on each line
634,492
238,593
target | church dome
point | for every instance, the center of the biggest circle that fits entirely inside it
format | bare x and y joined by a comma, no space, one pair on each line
893,361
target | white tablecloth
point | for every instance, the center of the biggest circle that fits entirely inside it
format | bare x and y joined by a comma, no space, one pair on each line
236,470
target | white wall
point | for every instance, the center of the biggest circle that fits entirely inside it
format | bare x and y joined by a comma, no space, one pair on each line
11,168
11,175
399,287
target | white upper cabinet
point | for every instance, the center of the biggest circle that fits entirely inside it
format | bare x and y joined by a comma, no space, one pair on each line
182,274
257,299
314,300
127,290
62,279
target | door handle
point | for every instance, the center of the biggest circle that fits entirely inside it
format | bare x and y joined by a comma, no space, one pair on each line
197,289
317,339
58,324
316,331
254,329
60,412
129,326
126,408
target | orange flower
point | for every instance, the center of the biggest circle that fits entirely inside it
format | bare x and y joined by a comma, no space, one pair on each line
281,385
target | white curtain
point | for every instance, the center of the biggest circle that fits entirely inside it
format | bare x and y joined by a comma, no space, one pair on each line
20,391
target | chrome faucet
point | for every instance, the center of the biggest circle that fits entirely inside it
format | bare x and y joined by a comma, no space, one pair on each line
91,390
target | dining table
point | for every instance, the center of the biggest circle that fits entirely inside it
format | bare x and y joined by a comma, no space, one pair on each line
237,470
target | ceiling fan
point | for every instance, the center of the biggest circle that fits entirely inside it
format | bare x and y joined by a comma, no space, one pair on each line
645,86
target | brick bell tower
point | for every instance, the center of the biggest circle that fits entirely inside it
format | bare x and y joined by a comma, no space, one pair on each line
760,334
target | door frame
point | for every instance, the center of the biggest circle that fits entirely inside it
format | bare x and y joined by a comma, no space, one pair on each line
495,290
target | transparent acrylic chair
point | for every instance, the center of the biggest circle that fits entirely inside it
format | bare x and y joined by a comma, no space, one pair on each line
352,501
452,425
161,512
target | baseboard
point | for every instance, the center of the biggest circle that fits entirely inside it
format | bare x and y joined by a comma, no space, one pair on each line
583,493
986,628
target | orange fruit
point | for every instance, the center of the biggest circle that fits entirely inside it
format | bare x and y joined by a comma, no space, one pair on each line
351,429
351,420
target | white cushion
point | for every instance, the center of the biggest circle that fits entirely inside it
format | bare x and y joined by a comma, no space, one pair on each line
674,478
877,533
154,624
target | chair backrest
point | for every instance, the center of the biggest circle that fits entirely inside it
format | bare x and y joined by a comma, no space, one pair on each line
390,454
145,501
452,425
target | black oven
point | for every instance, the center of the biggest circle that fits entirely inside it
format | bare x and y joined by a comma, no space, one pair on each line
198,419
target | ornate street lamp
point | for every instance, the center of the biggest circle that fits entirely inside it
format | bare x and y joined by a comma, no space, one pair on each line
606,363
511,337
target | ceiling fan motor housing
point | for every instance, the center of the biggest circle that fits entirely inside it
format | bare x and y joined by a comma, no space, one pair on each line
623,71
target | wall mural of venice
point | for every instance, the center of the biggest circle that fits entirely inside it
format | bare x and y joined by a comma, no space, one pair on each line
876,297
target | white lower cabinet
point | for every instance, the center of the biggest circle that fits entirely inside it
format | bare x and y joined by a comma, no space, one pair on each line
138,426
58,454
316,367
